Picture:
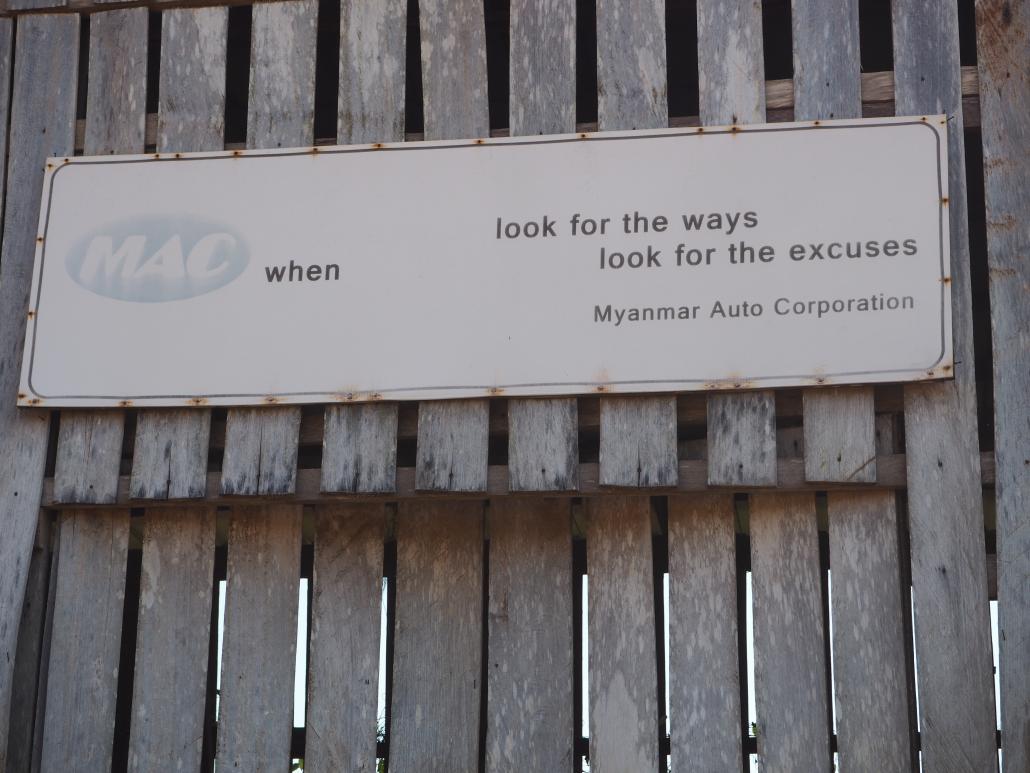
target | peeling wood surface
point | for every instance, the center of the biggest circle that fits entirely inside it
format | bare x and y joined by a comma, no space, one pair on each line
704,677
529,722
359,454
372,61
439,625
949,575
742,439
172,639
83,671
452,445
1003,44
260,451
259,644
543,445
638,442
42,122
791,693
343,673
623,670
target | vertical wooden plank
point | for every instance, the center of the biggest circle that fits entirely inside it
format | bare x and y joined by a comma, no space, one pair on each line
529,714
623,671
868,633
82,685
452,445
359,448
343,674
42,125
949,573
437,646
742,439
261,451
543,445
638,442
89,448
170,678
6,67
1003,45
259,643
840,435
169,459
704,678
790,667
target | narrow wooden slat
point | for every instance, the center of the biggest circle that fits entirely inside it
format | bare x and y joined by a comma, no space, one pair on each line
623,671
840,437
543,445
638,442
359,454
259,644
742,439
169,458
343,675
1003,46
170,678
868,633
261,451
83,671
42,124
437,655
89,448
790,666
704,678
530,696
949,580
452,445
6,67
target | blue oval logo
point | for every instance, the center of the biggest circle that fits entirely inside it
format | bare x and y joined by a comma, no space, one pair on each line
157,259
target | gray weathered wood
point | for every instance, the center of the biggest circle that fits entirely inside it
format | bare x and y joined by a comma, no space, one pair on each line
543,444
89,448
742,439
169,459
638,442
840,436
42,125
791,694
372,60
529,723
1003,44
83,671
259,644
343,671
436,663
452,445
261,451
6,66
623,671
704,678
44,650
27,5
868,633
949,576
172,639
359,450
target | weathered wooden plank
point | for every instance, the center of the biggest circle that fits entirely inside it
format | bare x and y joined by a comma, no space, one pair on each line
949,582
840,436
623,670
704,680
791,694
44,650
89,448
543,445
259,643
742,439
6,67
261,451
359,453
437,656
343,671
42,124
638,442
1003,45
83,671
868,633
172,638
452,445
529,687
169,459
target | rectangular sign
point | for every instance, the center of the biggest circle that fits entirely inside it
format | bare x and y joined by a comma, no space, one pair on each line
646,261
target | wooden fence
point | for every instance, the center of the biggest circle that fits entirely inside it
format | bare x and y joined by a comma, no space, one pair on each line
891,515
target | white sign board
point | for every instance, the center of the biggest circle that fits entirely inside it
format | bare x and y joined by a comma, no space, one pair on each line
683,259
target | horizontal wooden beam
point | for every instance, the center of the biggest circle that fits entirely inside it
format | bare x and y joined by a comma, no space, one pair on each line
693,478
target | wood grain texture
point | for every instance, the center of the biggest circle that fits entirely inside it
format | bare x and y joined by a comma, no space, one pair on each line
869,642
169,459
529,688
372,61
6,68
259,643
791,694
543,445
42,124
742,439
437,644
1003,45
704,678
261,451
359,453
172,639
83,671
623,671
949,582
638,442
89,449
452,445
343,671
840,435
542,69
